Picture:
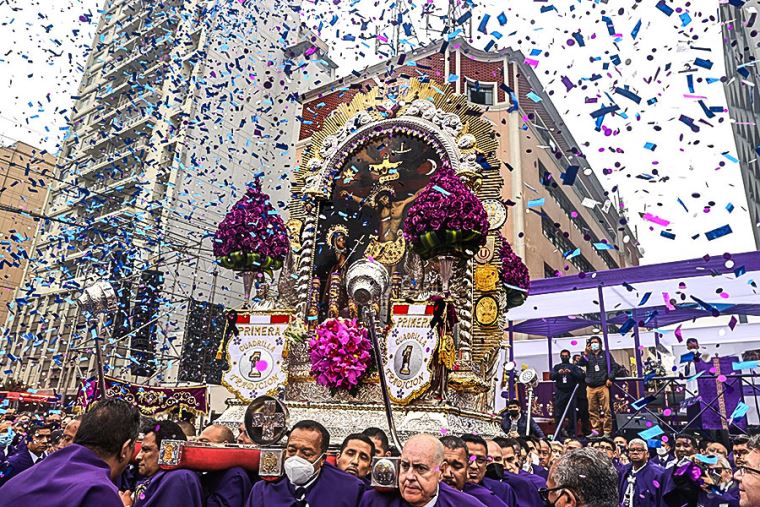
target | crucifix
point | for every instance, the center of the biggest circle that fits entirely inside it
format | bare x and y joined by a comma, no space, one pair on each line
267,422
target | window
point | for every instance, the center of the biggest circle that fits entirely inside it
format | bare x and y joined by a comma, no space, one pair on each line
549,272
479,93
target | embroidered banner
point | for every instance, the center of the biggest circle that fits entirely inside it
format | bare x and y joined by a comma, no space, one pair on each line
409,348
256,355
150,400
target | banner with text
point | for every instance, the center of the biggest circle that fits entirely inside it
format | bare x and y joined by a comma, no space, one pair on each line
255,355
409,348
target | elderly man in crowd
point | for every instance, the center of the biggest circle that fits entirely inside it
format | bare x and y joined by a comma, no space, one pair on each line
582,478
641,481
421,471
308,479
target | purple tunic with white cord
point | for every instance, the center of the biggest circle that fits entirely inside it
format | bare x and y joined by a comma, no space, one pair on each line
447,497
648,488
333,488
484,495
170,488
72,477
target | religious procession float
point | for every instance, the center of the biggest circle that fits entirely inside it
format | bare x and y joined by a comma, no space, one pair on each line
393,250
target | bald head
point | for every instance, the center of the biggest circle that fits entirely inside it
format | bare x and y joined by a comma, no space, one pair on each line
217,434
427,445
420,469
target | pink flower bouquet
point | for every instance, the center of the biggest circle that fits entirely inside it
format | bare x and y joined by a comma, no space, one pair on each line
341,354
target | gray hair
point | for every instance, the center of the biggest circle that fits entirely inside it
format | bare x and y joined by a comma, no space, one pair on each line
637,441
754,443
590,475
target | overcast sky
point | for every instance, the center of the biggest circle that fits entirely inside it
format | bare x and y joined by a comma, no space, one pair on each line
40,72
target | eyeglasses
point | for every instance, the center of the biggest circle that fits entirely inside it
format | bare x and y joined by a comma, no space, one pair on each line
544,493
747,470
636,449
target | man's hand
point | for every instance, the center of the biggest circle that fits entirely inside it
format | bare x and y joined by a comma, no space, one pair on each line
588,349
343,193
513,434
126,497
609,383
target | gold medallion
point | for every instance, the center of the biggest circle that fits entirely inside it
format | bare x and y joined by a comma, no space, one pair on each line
486,277
486,311
497,213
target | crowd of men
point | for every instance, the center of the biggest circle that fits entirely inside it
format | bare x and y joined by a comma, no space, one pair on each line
91,461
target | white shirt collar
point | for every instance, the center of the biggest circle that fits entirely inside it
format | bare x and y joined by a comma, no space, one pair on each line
432,501
35,458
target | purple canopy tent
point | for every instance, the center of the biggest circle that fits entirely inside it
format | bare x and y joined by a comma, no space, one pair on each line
649,296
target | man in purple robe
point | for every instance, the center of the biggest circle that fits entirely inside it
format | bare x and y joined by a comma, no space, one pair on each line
641,481
525,491
421,470
225,488
37,444
164,488
355,456
309,481
455,470
477,448
82,474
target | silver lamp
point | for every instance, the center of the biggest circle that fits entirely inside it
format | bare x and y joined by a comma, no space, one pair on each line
366,282
96,300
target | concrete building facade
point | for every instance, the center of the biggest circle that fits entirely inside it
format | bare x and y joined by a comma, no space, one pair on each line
182,103
741,50
25,173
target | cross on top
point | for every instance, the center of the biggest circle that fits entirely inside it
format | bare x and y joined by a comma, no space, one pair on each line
268,420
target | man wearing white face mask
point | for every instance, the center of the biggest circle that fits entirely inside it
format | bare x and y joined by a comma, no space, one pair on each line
599,377
308,481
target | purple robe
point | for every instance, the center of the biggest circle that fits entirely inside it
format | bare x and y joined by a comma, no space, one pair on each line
541,472
227,488
170,488
333,488
72,477
525,491
16,464
484,495
647,490
537,481
662,460
447,497
708,391
501,489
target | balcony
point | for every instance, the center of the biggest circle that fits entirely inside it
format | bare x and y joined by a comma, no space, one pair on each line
109,157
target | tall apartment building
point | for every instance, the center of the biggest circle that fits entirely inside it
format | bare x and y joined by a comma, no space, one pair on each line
554,227
182,103
24,172
741,50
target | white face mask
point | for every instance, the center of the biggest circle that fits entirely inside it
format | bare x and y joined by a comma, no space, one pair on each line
300,470
662,451
594,347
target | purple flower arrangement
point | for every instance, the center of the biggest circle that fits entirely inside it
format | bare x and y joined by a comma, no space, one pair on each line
252,236
341,354
446,218
513,275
